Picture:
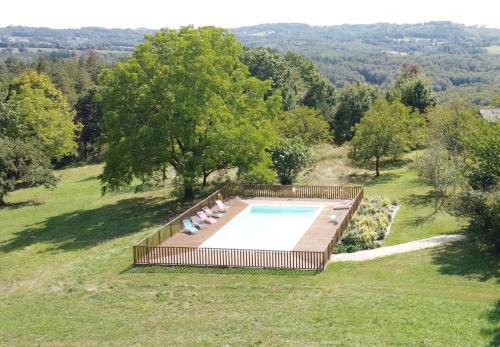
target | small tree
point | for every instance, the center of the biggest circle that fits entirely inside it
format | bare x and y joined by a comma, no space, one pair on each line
289,159
413,88
438,170
449,124
385,131
22,164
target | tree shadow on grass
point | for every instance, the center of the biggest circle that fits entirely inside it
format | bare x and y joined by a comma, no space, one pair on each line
86,228
356,178
88,179
386,177
471,259
467,258
20,204
216,270
494,318
419,200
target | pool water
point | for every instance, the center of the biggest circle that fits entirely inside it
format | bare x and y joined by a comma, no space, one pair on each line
265,227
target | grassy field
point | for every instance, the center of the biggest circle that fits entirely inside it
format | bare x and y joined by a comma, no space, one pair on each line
66,279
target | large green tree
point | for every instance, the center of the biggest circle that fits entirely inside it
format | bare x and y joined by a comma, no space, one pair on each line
267,64
36,111
185,99
313,88
354,101
384,131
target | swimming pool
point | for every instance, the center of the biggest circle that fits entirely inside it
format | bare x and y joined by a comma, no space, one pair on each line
265,227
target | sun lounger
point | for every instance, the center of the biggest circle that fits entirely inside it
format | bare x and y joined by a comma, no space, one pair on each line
211,213
188,227
206,218
197,222
342,204
221,205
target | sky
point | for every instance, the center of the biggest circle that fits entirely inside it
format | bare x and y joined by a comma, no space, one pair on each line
230,14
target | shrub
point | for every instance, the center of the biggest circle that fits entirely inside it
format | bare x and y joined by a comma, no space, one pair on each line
368,225
289,159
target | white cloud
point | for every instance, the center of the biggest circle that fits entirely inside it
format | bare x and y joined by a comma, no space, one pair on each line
227,13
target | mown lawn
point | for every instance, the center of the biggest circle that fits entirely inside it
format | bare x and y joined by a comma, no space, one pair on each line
66,279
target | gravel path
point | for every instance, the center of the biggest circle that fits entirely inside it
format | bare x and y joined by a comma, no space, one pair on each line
401,248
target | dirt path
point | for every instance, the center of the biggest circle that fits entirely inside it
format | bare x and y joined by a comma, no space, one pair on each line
401,248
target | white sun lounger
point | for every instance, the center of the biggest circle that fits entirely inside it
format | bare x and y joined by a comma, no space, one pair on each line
211,213
221,205
342,204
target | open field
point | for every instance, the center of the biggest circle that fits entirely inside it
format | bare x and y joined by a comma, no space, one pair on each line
66,279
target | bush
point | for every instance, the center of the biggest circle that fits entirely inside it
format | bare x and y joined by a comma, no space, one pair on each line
483,207
289,159
368,226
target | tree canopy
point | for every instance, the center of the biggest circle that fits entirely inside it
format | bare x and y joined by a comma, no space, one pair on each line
290,157
413,88
22,163
36,111
354,101
305,123
384,131
267,64
89,115
185,99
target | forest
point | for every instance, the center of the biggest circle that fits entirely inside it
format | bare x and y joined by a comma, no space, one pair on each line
462,61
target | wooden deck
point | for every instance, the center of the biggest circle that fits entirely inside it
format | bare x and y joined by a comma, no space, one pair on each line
315,239
196,240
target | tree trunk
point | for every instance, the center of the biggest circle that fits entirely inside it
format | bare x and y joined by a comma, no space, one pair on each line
188,192
377,164
2,202
163,174
205,176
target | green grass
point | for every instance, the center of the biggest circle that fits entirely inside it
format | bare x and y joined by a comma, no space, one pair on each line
416,218
66,279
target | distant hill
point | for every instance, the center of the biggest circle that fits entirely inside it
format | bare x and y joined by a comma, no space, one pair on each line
454,56
451,54
76,39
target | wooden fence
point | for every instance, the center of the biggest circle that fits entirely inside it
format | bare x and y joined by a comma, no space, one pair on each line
149,251
227,257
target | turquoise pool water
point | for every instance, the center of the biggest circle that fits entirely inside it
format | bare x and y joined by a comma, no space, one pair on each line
265,227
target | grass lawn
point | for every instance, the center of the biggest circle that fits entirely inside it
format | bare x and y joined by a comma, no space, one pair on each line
416,218
66,279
